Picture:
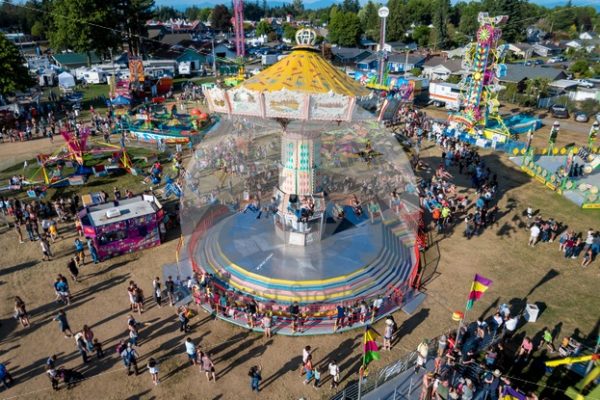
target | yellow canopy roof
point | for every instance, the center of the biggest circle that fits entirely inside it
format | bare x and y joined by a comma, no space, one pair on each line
304,70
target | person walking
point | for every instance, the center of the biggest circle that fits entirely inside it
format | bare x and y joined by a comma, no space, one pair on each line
422,352
153,369
93,251
19,232
88,337
21,312
255,377
6,378
334,371
130,356
191,351
79,251
317,377
133,330
138,294
208,367
73,268
81,347
63,323
46,253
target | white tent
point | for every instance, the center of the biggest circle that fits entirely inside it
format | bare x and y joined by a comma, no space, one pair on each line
66,80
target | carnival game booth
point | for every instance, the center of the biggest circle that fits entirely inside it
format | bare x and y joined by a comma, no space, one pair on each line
124,226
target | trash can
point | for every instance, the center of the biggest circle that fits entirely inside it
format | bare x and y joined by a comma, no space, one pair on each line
531,312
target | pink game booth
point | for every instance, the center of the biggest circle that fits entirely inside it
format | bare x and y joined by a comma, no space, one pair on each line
124,226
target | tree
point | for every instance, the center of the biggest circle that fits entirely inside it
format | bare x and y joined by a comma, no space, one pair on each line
580,67
344,28
352,6
297,7
289,32
468,24
220,18
164,13
263,28
419,11
440,23
14,75
38,29
134,14
397,22
421,35
84,26
369,20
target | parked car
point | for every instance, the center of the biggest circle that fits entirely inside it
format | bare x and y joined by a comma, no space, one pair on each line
598,117
559,111
554,60
585,83
580,116
538,62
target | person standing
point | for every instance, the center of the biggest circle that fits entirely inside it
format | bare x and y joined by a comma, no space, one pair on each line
317,378
339,320
170,285
334,371
93,251
191,351
208,367
19,232
157,291
63,324
387,334
21,312
183,319
422,353
255,377
79,251
88,337
534,235
267,320
130,356
153,369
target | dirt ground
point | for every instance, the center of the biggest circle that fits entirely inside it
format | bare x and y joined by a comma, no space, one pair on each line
566,294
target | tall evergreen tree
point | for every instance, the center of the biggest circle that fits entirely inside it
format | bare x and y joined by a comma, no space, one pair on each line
441,9
397,22
134,15
14,75
369,20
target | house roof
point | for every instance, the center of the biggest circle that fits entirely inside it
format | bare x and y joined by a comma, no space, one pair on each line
76,59
450,64
517,73
397,58
563,84
350,53
191,54
522,46
155,32
174,38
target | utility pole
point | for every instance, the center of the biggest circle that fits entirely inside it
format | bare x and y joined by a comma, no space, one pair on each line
214,60
383,14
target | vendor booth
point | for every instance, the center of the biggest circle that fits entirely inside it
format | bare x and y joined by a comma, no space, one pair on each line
124,226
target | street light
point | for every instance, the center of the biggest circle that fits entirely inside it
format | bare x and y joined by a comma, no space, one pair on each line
383,13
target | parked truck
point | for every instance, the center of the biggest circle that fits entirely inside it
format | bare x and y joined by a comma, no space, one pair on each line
442,94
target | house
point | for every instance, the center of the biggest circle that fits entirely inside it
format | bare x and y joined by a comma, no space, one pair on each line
400,46
76,60
579,93
587,45
195,59
546,49
396,62
223,50
368,44
523,50
535,34
459,52
440,68
349,55
519,73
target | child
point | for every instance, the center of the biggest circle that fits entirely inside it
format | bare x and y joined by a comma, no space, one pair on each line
98,349
317,377
153,369
587,258
53,231
529,212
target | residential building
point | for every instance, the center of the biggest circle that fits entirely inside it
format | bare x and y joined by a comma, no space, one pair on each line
523,50
518,74
440,68
546,49
396,62
349,55
76,60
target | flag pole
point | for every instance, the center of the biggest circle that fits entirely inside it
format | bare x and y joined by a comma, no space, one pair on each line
464,316
362,367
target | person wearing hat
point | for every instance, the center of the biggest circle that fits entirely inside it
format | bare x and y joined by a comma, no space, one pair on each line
427,386
491,386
